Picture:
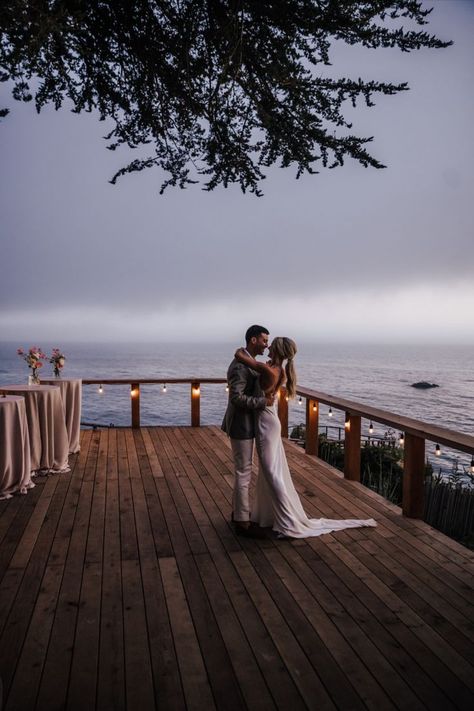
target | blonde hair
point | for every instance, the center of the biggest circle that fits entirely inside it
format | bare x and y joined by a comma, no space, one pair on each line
285,349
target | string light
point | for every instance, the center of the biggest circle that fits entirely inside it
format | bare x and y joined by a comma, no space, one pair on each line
196,389
347,422
101,389
164,387
371,429
401,439
438,450
134,392
315,407
330,412
227,388
300,400
287,398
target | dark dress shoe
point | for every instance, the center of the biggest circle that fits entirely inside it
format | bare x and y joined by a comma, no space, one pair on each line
242,530
257,532
252,531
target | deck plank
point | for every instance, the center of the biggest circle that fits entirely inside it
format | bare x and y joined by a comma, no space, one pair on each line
188,544
240,624
54,685
165,670
124,586
111,660
221,541
84,665
37,595
435,652
425,544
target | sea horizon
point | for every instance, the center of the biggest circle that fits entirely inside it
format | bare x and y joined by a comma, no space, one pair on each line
380,375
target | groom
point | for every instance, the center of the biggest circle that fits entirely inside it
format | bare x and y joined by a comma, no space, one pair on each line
245,398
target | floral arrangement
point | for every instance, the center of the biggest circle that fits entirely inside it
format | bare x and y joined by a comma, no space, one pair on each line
57,359
34,358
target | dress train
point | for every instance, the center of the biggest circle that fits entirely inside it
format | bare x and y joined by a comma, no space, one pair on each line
277,503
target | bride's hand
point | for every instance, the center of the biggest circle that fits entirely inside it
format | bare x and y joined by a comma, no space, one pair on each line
239,353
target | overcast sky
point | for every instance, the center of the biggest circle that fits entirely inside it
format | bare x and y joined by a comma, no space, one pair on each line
349,254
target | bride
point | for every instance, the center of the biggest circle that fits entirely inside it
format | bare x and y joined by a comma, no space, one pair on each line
277,503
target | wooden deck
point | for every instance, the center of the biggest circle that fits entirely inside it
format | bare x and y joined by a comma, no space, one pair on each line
123,586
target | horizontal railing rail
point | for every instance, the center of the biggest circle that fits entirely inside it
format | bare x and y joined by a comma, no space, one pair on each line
434,433
415,432
152,381
135,383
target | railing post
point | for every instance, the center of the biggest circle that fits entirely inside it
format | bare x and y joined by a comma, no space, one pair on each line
135,400
413,476
352,447
312,423
283,411
195,404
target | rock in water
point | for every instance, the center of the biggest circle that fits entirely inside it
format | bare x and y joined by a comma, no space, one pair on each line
423,385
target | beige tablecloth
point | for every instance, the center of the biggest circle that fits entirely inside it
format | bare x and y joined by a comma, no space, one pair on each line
49,442
71,393
15,460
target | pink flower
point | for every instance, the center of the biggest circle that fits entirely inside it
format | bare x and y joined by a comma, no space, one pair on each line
32,356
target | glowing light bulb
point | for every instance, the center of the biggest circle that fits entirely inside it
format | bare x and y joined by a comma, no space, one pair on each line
401,439
101,389
330,412
164,387
371,429
196,390
133,392
300,400
227,388
315,407
438,450
347,422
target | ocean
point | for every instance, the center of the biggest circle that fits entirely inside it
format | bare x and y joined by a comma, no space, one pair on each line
379,375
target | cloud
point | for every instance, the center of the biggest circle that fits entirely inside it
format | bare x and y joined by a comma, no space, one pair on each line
422,314
73,244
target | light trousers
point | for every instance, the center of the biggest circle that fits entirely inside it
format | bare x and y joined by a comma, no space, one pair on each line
242,449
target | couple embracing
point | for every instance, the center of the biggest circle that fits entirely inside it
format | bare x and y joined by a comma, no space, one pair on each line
252,418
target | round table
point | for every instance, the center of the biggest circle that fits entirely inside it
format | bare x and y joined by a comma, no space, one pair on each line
71,393
49,444
15,459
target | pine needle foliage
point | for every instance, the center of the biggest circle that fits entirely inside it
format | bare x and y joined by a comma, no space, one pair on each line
218,90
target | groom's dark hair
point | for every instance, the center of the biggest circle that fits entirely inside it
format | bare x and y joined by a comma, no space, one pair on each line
255,331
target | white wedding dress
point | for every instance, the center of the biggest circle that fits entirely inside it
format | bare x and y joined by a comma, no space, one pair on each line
277,503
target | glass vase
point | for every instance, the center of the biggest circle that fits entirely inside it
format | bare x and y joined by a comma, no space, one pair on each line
33,379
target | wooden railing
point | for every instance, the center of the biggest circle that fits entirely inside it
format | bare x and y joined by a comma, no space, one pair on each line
195,393
415,435
415,432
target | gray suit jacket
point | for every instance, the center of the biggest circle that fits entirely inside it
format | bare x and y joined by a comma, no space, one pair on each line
245,397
